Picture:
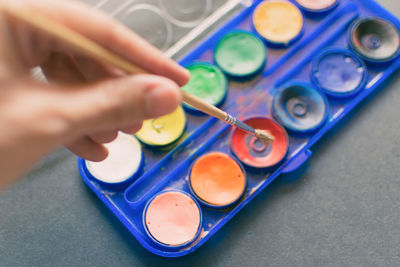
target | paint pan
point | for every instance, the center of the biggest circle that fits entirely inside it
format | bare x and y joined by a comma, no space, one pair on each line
217,180
240,54
122,165
374,39
338,72
317,6
278,22
299,107
172,219
164,130
252,152
206,82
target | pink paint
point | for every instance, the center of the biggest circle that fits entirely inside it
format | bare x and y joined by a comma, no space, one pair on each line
316,4
173,218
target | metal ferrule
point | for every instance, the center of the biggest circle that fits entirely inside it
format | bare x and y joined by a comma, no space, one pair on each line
233,121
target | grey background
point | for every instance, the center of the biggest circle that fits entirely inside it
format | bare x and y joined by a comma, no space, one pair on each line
341,209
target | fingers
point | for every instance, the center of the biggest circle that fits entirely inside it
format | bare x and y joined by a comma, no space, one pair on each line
119,104
88,149
133,128
109,33
91,148
104,136
92,70
60,68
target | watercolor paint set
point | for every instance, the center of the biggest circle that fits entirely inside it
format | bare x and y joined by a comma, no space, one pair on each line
293,68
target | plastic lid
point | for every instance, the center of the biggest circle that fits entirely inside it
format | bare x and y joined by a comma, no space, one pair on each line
338,72
164,130
158,32
374,39
252,152
240,54
299,107
185,13
207,82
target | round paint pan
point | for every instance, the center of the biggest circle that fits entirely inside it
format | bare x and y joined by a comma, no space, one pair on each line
163,131
137,17
279,23
172,219
374,39
122,165
299,107
252,152
217,180
185,13
316,7
240,54
338,72
206,82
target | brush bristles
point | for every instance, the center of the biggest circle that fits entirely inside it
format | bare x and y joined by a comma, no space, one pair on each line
264,136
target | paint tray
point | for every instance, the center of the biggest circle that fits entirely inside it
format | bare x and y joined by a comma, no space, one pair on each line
307,63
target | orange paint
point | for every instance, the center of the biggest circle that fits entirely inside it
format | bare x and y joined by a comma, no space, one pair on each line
217,179
278,21
173,218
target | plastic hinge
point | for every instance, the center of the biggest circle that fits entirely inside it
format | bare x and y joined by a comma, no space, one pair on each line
298,161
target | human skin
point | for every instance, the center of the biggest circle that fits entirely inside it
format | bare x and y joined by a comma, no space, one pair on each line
85,102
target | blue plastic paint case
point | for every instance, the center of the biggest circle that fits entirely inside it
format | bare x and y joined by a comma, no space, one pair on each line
168,169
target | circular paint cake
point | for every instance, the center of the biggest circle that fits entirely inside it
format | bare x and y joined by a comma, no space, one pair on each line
173,218
278,22
338,72
299,107
316,5
240,54
374,39
252,152
164,130
206,82
123,162
217,179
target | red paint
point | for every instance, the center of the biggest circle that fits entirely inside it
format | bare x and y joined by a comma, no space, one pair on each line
251,152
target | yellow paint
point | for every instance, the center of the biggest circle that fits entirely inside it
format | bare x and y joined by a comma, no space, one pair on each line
278,21
163,130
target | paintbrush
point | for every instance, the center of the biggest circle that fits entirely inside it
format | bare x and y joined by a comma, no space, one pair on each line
92,49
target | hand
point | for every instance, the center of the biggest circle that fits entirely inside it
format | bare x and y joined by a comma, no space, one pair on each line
85,102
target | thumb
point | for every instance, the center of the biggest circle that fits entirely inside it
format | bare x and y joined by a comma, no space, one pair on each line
120,102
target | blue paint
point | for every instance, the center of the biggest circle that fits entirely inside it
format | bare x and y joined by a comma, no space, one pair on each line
299,107
338,72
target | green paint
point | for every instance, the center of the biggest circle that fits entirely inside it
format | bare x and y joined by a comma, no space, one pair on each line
240,54
207,82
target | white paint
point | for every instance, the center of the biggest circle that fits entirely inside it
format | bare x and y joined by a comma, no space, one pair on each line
122,162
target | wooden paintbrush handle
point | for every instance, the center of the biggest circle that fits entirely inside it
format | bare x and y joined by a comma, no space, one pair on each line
90,48
203,106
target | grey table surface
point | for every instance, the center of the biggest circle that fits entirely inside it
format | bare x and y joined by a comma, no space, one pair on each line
341,209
